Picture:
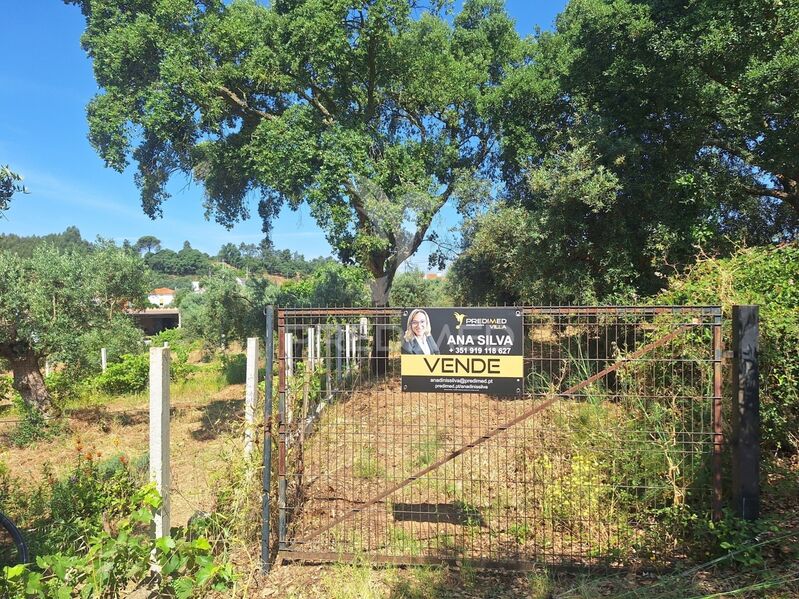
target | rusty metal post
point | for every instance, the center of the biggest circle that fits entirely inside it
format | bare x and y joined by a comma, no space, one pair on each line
718,435
745,413
267,463
282,432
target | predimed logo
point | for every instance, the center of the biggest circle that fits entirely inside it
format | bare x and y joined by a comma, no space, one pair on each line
484,321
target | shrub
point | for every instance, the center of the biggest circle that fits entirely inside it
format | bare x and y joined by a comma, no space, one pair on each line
119,337
130,375
33,426
171,336
769,277
234,368
118,560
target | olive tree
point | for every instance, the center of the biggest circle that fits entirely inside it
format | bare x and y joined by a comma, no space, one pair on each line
48,301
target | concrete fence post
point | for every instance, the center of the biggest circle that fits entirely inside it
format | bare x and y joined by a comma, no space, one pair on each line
103,358
311,349
338,353
251,396
159,435
348,340
289,354
745,413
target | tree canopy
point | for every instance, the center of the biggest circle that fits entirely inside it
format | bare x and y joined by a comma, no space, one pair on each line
147,244
48,301
373,112
637,132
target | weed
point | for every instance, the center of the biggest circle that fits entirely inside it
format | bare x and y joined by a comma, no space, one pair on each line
427,450
403,543
520,532
355,581
366,465
33,426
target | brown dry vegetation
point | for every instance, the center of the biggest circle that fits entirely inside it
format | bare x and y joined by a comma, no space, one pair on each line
204,424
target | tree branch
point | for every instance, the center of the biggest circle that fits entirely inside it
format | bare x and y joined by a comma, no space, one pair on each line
242,104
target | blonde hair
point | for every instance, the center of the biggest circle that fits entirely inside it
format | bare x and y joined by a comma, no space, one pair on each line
409,334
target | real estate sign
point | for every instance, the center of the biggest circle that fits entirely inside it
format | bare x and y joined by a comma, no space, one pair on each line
463,350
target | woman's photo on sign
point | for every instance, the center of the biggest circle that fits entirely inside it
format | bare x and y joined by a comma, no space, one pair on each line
418,338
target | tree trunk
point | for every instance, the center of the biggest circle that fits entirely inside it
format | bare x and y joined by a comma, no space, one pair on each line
28,379
379,358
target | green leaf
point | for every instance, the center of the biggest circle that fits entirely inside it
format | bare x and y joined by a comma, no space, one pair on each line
34,584
12,572
184,587
165,544
205,574
201,544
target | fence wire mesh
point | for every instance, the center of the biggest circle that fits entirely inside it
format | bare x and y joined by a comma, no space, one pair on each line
617,434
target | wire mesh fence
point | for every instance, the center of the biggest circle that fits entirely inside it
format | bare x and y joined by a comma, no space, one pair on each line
617,433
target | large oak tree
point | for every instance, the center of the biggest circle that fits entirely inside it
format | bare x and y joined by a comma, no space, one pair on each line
373,112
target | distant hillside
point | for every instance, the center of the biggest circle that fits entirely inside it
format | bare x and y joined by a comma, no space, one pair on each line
24,245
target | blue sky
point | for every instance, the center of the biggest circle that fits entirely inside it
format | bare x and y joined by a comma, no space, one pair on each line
45,83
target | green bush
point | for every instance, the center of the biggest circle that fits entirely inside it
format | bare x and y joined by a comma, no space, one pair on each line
7,392
33,426
120,336
130,375
234,368
117,560
171,336
768,277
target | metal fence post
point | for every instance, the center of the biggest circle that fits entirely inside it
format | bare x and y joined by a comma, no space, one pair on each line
718,433
159,435
267,475
282,347
745,413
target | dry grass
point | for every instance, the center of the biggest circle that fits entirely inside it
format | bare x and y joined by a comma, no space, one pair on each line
204,420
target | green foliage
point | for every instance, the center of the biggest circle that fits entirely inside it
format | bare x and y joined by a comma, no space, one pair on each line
187,261
50,301
129,375
132,373
23,246
767,277
331,284
574,491
9,185
247,96
113,562
174,337
413,289
634,133
147,244
227,310
366,464
119,337
7,392
33,426
740,538
234,368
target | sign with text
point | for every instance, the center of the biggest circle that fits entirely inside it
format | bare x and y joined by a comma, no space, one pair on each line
463,350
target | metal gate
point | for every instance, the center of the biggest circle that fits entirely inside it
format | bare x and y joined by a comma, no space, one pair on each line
616,438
